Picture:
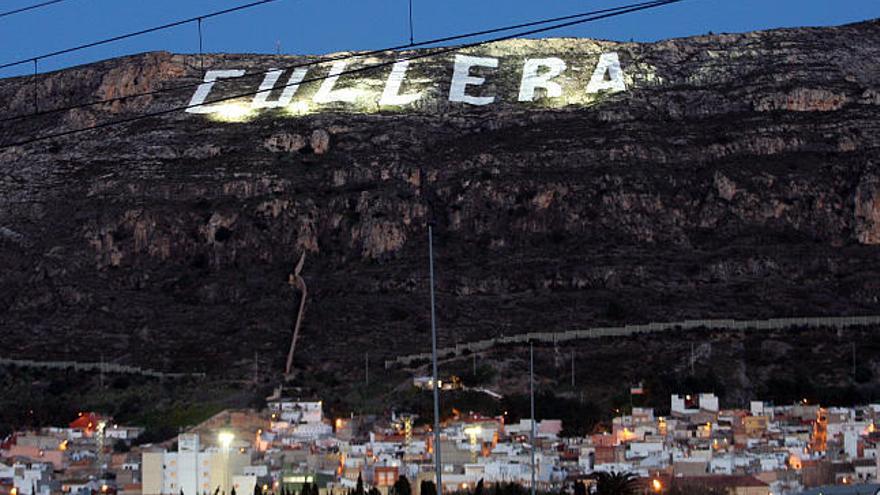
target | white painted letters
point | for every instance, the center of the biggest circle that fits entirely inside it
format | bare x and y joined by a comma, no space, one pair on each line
201,94
391,96
531,80
541,78
610,63
326,93
261,99
462,78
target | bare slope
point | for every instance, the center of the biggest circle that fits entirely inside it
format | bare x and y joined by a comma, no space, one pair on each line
736,177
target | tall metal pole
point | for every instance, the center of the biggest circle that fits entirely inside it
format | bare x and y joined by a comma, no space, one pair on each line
437,465
853,358
532,394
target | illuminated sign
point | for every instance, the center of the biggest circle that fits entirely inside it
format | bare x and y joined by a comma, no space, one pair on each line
525,75
298,479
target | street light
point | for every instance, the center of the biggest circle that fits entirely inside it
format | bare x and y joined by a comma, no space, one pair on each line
225,438
657,485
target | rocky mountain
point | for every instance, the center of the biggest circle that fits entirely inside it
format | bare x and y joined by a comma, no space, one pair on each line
720,176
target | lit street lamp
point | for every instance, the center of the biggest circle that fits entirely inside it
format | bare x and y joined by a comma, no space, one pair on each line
225,438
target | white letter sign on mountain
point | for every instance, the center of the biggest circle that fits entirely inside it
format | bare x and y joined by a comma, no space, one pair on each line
531,80
462,78
195,104
382,84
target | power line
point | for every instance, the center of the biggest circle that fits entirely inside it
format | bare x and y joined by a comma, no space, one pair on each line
616,12
30,7
135,33
439,51
343,57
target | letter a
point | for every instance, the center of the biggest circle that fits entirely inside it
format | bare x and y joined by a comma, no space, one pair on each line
610,63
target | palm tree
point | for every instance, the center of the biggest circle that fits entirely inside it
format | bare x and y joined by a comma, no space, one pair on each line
401,487
615,483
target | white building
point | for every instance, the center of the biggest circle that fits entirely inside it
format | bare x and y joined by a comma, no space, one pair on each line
692,404
296,412
30,476
123,432
192,470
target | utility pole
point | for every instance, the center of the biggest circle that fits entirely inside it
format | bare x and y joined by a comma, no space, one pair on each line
256,367
532,394
436,383
692,358
853,359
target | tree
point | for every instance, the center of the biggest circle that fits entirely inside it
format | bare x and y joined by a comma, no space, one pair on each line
401,487
513,489
615,483
478,490
359,488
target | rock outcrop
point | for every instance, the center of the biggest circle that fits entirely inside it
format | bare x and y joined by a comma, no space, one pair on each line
736,177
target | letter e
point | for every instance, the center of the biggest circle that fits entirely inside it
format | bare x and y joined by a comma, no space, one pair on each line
462,78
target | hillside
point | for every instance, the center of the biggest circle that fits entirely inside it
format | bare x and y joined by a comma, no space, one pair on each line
729,176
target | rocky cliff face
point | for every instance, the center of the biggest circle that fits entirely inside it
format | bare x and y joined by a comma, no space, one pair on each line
736,176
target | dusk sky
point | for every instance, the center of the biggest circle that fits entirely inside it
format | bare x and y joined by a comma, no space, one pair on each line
316,27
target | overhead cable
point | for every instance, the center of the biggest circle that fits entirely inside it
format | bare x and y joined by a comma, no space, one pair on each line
432,53
323,60
135,33
30,7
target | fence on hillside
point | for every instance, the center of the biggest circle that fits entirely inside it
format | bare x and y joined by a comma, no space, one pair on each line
99,367
594,333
